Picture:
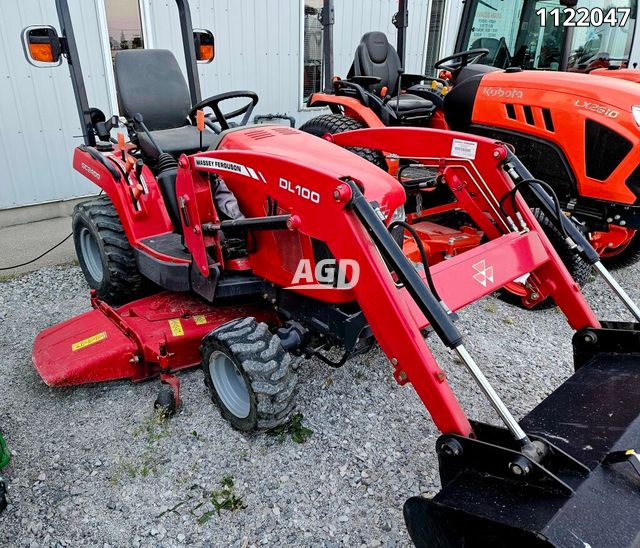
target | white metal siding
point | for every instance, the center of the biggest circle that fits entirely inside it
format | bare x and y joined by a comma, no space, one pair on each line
258,47
39,124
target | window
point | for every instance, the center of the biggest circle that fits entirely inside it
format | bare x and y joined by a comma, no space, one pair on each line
124,25
596,47
312,58
434,37
511,31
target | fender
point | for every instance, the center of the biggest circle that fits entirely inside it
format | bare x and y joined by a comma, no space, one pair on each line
339,104
141,218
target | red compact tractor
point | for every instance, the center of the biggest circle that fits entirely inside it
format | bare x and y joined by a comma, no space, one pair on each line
267,245
580,134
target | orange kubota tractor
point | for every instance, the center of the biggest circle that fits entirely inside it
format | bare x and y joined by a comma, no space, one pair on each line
579,133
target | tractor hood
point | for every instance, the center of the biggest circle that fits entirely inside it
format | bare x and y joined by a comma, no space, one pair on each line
481,96
317,154
574,130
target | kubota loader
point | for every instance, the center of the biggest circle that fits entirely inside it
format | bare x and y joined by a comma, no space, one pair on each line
275,245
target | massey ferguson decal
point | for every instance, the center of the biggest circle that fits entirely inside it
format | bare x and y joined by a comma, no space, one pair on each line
483,273
212,164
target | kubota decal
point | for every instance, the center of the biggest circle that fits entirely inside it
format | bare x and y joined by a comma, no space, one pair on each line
504,93
211,164
88,341
598,109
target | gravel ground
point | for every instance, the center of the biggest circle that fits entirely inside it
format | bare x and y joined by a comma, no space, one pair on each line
91,465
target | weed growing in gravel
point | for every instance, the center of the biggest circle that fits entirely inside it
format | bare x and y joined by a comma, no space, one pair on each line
294,428
508,320
154,429
358,377
210,502
491,308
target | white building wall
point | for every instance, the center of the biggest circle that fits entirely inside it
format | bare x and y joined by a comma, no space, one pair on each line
39,125
258,46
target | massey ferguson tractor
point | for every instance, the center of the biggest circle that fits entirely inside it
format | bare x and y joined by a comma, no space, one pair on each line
267,245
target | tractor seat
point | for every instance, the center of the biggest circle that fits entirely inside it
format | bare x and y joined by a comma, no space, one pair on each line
376,57
409,102
150,82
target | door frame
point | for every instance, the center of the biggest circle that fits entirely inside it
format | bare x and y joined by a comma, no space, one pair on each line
146,21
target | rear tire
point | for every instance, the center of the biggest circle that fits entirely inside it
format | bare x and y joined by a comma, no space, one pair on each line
250,376
627,256
337,123
580,271
106,258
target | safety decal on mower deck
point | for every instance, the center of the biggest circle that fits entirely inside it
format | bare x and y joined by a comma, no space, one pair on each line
88,341
200,320
176,327
464,149
211,164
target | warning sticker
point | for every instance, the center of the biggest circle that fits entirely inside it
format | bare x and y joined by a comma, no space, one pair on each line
200,320
89,341
464,149
176,328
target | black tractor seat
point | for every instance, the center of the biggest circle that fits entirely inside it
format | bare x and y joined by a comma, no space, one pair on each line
376,59
150,82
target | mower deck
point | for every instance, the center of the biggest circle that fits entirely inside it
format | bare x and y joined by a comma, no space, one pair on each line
157,334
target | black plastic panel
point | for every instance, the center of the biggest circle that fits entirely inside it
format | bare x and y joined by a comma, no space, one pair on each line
604,150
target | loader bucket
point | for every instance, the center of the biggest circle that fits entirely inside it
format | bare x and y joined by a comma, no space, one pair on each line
586,493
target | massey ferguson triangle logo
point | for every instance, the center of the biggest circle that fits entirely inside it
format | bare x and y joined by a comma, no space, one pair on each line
483,274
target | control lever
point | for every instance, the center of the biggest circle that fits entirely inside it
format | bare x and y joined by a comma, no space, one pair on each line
139,120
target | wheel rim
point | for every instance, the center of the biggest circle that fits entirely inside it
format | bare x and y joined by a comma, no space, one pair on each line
91,254
229,384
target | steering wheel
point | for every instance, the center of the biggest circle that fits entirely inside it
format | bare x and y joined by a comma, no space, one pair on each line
456,62
220,118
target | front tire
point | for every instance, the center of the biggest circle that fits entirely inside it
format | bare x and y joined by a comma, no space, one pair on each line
106,258
249,375
337,123
580,271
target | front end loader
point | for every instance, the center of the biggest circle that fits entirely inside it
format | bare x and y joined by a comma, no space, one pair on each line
270,246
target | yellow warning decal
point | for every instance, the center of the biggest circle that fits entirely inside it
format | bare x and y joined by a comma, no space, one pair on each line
200,320
176,328
89,341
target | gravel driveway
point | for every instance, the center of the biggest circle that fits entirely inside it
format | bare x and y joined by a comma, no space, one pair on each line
92,465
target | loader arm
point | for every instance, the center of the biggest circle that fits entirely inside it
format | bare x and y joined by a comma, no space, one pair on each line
396,312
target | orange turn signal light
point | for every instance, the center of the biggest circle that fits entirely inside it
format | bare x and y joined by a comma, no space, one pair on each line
207,52
41,52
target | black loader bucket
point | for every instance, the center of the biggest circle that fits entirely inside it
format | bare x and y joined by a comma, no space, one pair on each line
584,493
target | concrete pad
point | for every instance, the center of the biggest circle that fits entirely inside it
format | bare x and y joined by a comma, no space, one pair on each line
21,243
